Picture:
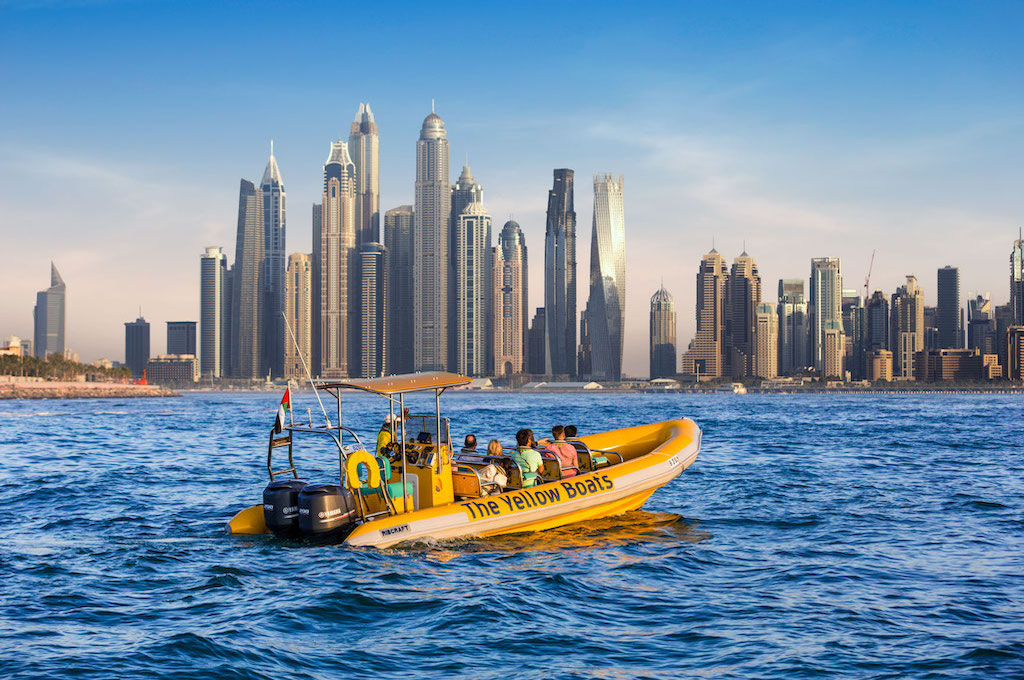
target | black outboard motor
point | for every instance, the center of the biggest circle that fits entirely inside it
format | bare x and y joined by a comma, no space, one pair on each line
326,511
281,507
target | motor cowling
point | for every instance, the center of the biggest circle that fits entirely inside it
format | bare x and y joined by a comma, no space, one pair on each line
326,509
281,507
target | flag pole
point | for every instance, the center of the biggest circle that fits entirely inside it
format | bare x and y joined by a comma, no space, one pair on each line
304,366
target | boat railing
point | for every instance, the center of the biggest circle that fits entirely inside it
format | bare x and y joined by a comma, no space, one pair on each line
335,432
583,448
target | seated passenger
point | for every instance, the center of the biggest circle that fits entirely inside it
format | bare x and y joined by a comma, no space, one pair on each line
469,444
529,460
564,452
494,477
570,433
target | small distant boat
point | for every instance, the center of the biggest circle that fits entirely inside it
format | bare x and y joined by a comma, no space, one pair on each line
732,388
422,490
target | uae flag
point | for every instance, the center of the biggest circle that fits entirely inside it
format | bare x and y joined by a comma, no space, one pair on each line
286,402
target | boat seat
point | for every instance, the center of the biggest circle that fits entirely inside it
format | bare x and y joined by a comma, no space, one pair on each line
394,488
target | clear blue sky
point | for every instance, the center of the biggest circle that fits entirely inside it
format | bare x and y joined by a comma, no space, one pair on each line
802,129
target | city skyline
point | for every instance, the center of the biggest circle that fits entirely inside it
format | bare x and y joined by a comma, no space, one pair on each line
926,177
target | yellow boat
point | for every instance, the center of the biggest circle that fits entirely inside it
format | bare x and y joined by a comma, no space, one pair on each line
422,490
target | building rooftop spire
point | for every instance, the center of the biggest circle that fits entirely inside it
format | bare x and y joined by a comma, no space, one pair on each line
55,278
271,175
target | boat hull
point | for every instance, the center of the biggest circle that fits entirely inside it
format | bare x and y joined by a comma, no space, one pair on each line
654,455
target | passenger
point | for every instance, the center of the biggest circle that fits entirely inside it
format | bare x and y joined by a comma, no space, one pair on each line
469,444
564,452
570,433
494,476
528,459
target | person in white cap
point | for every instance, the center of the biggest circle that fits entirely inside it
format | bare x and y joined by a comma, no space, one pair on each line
386,436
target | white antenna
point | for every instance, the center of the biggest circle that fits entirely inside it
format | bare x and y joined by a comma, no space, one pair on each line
306,368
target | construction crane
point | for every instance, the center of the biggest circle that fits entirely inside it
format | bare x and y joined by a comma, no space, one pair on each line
867,279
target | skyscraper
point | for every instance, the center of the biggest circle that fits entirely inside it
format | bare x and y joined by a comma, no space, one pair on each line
981,324
606,307
247,289
316,286
1016,284
704,356
510,300
48,317
825,308
471,289
432,270
398,241
465,192
364,149
663,335
876,335
766,342
214,317
373,296
792,317
181,337
136,345
854,329
950,314
833,354
274,221
560,277
537,349
339,278
299,310
743,295
907,323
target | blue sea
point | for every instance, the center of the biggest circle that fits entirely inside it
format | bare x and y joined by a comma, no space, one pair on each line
862,536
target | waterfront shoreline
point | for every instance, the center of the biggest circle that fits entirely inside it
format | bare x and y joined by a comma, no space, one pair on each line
81,390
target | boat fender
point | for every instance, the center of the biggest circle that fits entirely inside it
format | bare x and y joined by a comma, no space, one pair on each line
352,464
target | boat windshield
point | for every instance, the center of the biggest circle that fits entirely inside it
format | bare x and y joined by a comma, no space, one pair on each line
424,429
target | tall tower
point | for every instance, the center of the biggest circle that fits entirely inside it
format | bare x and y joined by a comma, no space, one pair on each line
136,345
743,295
398,241
704,357
472,255
373,296
364,148
792,317
950,314
560,277
663,335
1016,285
826,304
338,266
432,269
907,323
214,320
606,307
510,300
315,284
247,289
299,311
981,324
876,334
49,315
274,220
765,342
465,191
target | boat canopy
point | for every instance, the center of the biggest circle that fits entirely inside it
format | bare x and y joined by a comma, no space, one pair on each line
401,384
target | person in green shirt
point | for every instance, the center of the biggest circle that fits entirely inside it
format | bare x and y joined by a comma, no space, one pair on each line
528,459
